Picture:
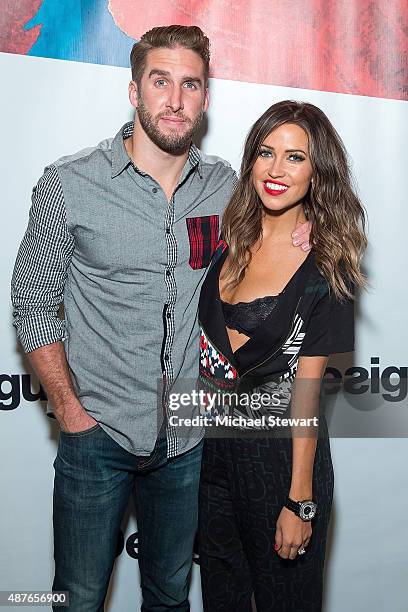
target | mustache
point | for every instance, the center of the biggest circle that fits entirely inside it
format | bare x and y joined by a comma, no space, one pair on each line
178,115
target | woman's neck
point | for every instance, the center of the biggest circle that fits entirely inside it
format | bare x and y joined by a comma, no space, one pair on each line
279,225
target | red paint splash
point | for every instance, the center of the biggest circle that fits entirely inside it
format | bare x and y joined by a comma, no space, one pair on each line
14,15
348,46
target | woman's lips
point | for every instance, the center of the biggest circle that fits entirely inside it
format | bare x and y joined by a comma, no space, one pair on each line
275,188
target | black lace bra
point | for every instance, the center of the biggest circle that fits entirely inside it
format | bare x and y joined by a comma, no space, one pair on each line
246,317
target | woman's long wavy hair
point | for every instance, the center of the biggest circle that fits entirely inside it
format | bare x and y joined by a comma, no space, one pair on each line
338,218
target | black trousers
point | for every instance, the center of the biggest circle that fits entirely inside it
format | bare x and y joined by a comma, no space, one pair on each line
244,483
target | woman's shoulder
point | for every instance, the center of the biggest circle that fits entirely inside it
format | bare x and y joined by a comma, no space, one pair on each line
312,281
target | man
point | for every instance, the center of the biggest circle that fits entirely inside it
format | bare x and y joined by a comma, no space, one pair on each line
122,233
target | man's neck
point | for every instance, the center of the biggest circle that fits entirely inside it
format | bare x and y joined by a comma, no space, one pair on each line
165,168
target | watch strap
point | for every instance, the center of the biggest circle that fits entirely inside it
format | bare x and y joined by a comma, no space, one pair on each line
295,507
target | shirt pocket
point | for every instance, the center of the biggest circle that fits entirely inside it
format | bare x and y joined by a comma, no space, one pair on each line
203,238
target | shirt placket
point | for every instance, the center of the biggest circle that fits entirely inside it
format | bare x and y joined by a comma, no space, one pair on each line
169,314
169,322
169,306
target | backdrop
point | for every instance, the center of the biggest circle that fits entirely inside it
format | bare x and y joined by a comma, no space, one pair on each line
64,74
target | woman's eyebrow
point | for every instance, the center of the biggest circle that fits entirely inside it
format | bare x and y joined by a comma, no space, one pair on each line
287,150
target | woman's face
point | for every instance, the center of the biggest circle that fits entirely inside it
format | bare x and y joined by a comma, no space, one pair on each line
282,172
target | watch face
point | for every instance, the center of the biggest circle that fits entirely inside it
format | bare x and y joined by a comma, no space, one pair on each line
307,510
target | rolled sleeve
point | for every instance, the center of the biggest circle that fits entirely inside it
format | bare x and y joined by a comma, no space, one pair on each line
40,271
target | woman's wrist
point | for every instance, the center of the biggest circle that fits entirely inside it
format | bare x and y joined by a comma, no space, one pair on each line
299,493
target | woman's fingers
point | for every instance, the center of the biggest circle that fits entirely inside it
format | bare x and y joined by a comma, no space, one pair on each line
292,535
278,538
294,552
285,551
290,550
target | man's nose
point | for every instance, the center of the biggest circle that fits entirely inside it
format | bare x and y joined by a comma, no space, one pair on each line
175,100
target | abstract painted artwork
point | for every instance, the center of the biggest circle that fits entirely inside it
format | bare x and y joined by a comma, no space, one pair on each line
348,46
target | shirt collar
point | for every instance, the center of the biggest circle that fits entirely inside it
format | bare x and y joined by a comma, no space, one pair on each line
121,159
194,157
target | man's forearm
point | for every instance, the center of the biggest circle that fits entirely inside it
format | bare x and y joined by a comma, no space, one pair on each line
51,366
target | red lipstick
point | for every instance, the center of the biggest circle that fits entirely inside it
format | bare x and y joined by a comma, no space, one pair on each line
280,188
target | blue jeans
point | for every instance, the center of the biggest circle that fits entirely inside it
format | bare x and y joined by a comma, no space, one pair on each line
94,478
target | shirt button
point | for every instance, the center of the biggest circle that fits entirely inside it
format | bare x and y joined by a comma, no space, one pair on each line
168,272
167,230
168,315
166,357
154,190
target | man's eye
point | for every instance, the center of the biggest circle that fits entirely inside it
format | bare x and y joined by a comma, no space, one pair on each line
160,82
190,85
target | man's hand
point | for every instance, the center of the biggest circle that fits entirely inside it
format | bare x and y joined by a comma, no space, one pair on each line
50,364
75,419
301,235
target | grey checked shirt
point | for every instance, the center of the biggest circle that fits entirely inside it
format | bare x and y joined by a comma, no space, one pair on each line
128,266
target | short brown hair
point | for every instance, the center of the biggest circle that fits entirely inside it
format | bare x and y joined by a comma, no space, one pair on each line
188,37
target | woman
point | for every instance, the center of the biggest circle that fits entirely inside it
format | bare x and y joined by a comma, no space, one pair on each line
270,316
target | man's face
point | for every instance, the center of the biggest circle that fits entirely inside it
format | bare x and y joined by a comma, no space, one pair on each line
171,98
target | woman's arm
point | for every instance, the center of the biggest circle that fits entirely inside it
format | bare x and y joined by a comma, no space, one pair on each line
291,532
305,404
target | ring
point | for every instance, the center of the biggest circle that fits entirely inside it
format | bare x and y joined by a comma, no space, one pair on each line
301,551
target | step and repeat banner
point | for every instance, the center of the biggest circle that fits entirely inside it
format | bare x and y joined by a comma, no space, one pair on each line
64,76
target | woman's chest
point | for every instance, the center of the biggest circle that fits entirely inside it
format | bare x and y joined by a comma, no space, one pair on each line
267,274
275,344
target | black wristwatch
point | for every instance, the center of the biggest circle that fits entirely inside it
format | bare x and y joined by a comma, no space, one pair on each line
305,509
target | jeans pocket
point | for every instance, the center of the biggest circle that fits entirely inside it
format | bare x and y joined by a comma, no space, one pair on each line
81,434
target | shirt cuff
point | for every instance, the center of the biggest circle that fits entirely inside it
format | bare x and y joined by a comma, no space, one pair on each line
35,332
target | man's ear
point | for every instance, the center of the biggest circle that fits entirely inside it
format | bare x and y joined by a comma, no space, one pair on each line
206,99
133,93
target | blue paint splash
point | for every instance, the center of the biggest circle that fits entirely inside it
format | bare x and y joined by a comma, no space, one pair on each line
81,31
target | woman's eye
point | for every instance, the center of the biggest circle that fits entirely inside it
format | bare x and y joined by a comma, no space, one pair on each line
265,153
295,157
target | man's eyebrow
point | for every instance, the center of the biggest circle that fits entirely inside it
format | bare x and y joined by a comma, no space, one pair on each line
159,72
192,79
166,73
287,150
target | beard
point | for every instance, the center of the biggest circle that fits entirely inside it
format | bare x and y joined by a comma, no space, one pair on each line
173,142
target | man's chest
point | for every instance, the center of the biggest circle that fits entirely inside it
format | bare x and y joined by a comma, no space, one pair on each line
136,232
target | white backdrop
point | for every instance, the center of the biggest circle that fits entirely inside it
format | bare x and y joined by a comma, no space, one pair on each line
51,108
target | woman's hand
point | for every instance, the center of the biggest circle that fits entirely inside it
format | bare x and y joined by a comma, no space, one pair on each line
291,534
